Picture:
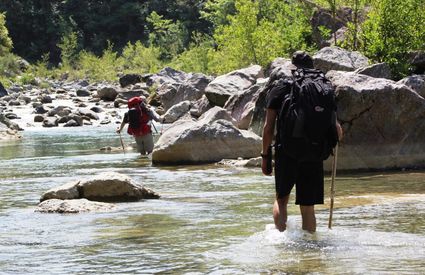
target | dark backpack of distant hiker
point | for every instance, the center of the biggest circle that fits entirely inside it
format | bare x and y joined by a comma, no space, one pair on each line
307,119
137,119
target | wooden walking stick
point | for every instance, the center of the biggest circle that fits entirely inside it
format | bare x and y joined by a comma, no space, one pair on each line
332,195
122,143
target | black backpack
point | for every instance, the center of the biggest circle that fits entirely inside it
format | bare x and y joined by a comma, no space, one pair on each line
134,118
307,119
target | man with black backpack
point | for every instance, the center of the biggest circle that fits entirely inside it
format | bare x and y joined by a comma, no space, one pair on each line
307,131
139,118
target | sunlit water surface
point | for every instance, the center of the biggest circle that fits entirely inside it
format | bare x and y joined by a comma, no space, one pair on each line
210,219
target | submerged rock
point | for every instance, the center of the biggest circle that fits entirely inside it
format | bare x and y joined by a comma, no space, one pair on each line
73,206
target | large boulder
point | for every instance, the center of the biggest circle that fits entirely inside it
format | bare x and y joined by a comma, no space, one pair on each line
221,88
176,112
216,113
334,58
242,104
73,206
380,70
383,122
166,75
204,141
8,123
191,88
416,82
109,186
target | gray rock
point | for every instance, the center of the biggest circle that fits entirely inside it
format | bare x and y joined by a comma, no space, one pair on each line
96,109
216,113
383,123
50,122
71,123
334,58
14,102
46,99
241,105
11,116
176,112
83,92
380,70
38,118
129,79
88,113
59,111
108,186
107,93
416,82
3,91
220,89
201,142
200,106
73,206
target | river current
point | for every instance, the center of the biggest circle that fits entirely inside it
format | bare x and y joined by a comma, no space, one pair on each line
209,220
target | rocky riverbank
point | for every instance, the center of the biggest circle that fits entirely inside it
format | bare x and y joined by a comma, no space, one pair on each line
213,118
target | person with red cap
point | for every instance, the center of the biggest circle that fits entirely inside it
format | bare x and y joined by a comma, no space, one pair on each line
139,118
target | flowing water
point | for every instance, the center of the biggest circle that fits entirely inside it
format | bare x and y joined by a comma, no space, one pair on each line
210,219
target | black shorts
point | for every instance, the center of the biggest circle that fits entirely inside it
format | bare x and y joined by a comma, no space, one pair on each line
308,177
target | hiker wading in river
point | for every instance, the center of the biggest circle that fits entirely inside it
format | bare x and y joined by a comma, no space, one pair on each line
307,131
139,118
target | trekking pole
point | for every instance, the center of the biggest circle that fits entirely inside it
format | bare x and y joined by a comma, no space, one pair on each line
122,143
154,127
332,195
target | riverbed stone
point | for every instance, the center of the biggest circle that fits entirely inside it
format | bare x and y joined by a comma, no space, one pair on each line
129,79
73,206
49,122
68,191
111,186
107,93
177,111
108,186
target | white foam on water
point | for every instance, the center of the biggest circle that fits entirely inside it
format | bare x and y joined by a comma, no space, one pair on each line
339,250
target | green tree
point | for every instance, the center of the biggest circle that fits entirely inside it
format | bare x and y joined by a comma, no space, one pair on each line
5,41
259,32
167,35
69,49
392,30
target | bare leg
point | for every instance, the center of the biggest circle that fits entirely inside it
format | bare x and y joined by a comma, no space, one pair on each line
309,218
280,214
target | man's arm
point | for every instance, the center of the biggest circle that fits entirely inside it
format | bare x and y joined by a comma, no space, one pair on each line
268,132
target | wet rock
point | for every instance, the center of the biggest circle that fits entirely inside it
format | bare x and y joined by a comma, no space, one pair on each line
96,109
105,121
11,116
14,102
253,162
109,186
40,110
9,124
73,206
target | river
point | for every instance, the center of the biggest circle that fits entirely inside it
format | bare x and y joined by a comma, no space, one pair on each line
210,219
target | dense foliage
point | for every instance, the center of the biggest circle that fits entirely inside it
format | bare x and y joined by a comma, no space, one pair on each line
101,39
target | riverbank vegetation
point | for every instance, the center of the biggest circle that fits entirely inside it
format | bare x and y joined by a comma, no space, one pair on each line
100,40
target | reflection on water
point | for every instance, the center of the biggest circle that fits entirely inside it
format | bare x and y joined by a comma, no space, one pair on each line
210,219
